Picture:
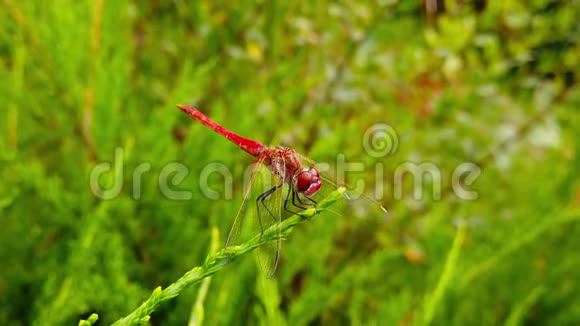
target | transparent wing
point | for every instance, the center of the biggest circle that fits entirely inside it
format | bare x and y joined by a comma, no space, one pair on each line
262,198
236,229
269,206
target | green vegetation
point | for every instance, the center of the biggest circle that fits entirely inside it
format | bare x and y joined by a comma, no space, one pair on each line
494,83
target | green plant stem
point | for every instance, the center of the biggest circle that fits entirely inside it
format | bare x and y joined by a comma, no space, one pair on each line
219,260
89,321
435,300
197,313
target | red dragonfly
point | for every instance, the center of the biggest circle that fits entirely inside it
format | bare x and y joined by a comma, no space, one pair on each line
286,165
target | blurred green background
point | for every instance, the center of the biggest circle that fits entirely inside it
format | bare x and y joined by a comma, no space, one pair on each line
489,82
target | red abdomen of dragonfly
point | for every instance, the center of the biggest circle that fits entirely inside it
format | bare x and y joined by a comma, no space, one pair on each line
252,147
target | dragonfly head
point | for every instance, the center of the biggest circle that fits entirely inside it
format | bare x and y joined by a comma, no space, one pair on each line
307,181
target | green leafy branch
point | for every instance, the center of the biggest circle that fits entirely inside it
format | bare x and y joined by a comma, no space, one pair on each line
217,261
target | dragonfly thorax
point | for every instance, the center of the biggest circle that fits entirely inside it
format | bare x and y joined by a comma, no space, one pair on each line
285,163
307,181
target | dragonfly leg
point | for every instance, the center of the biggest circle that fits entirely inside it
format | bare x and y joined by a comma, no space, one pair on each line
312,201
296,197
291,190
261,199
260,223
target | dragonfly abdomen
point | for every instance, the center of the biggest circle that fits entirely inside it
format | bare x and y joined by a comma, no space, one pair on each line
252,147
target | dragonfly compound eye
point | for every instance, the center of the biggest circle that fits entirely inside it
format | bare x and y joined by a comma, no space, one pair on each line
308,181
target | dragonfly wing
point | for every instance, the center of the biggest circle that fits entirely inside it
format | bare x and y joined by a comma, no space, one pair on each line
236,229
270,213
